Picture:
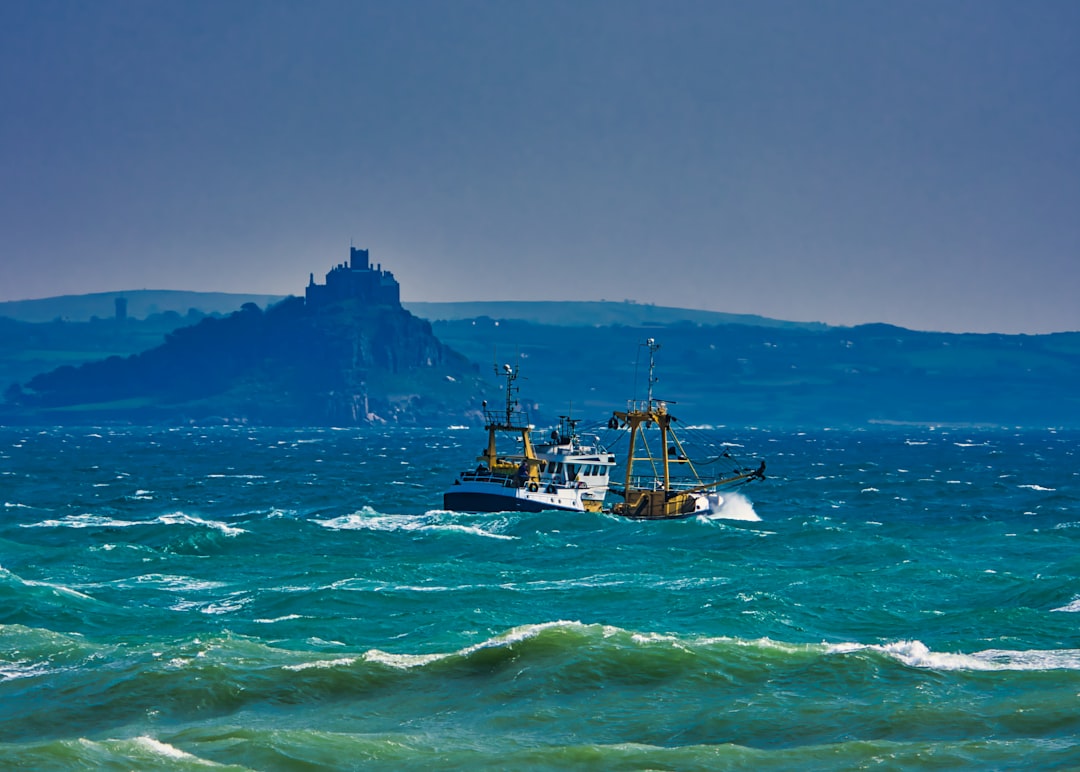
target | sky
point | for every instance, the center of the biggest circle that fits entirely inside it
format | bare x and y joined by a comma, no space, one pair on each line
913,162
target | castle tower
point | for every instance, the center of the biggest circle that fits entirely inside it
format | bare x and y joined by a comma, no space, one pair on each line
359,259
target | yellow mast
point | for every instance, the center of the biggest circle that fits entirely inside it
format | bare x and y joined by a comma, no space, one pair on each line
505,422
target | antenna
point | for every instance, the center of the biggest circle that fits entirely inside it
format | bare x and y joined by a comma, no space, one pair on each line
653,348
510,373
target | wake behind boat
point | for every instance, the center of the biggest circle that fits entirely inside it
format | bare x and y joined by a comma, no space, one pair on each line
672,487
564,473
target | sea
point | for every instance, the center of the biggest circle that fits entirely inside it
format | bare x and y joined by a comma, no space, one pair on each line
244,598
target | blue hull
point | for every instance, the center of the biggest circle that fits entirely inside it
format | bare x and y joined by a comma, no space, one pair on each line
465,501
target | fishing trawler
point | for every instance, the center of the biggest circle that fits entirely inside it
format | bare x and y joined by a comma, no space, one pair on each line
672,488
564,473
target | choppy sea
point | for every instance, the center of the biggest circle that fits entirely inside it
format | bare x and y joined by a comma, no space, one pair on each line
273,599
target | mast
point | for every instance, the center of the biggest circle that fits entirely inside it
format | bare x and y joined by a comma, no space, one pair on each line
653,348
637,415
505,421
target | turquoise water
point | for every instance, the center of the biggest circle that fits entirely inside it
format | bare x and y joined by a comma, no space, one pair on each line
295,599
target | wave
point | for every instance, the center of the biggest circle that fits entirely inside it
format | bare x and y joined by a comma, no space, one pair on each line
244,748
87,520
612,642
171,583
367,519
144,752
563,686
1073,607
556,644
736,506
917,654
27,652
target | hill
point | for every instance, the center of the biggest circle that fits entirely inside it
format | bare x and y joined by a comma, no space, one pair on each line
574,356
30,348
140,304
747,374
340,364
599,313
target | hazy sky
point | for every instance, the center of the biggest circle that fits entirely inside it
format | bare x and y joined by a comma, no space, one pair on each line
916,163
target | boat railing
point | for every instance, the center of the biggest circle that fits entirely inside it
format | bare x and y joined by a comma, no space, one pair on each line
487,476
517,419
649,482
566,449
646,405
514,480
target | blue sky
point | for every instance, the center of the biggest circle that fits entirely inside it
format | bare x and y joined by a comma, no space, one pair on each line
916,163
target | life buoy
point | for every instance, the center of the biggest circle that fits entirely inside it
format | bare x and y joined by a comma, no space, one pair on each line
533,487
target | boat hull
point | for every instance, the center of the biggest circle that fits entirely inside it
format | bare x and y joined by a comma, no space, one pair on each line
651,506
480,501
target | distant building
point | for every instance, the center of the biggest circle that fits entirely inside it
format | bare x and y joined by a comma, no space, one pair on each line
121,309
355,281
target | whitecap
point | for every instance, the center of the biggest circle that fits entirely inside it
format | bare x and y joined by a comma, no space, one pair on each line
58,588
474,530
11,671
368,519
1036,487
178,583
510,637
224,607
323,663
735,506
917,654
182,518
168,751
98,521
82,521
286,618
525,632
400,661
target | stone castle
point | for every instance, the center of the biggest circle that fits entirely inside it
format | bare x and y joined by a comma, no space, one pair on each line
355,281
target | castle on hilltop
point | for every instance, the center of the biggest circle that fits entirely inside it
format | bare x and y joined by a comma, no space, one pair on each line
355,281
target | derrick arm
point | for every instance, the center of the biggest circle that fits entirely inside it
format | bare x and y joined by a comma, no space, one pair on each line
757,474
